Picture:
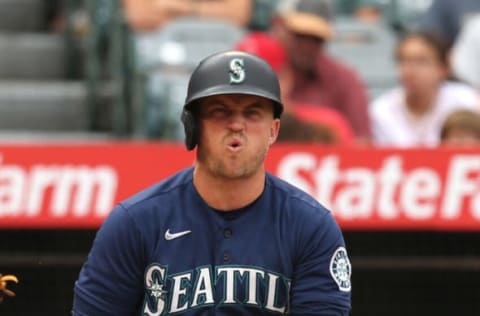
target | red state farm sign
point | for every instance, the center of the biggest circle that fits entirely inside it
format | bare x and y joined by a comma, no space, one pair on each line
62,186
387,189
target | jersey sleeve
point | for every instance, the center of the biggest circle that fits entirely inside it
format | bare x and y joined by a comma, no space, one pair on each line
321,280
110,281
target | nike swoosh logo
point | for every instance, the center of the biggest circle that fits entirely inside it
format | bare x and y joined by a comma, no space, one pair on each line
170,236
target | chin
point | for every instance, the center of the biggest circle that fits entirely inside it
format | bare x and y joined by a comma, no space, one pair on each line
233,170
233,174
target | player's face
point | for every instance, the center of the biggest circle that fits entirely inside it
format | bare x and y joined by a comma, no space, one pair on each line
236,132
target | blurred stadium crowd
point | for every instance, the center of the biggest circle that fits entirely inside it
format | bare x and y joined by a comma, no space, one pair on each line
390,73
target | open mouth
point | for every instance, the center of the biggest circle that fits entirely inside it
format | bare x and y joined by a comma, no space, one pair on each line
234,145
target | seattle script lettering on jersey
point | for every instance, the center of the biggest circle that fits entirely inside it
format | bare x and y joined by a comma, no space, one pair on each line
200,287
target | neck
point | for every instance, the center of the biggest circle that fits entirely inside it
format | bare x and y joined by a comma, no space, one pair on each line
419,104
228,194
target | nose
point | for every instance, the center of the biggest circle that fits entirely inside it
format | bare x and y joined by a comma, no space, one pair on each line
236,121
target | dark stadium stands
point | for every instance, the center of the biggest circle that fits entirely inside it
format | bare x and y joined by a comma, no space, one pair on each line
39,96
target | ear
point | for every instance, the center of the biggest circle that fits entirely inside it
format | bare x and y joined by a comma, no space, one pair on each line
274,129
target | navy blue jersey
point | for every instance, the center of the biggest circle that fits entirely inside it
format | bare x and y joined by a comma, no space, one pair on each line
165,251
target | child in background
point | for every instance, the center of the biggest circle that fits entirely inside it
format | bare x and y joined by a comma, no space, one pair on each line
461,128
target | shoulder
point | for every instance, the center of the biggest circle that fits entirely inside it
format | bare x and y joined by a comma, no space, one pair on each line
164,190
459,93
295,203
310,224
454,87
146,212
386,104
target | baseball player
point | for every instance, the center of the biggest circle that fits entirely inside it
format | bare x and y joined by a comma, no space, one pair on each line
223,237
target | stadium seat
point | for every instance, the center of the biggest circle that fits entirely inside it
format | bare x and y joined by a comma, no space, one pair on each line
38,93
42,106
22,15
32,56
369,49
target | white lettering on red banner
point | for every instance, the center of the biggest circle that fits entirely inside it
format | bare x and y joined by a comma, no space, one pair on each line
76,186
388,191
56,190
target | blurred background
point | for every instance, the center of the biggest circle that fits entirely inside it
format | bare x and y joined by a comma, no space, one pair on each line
392,74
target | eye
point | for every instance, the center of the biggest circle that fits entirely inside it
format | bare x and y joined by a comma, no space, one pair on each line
217,111
253,113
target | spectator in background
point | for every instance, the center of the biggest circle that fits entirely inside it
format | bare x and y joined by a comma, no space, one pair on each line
325,124
148,15
304,28
368,12
412,115
294,129
461,128
466,53
448,16
262,13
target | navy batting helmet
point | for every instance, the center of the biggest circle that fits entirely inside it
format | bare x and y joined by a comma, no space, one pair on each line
231,72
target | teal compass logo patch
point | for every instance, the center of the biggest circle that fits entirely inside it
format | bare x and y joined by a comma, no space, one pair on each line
341,269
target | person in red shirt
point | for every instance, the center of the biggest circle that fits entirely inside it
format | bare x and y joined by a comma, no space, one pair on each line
304,28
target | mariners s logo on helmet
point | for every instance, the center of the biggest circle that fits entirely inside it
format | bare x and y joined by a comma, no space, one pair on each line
237,70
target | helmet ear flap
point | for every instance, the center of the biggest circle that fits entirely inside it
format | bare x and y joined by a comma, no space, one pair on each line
189,125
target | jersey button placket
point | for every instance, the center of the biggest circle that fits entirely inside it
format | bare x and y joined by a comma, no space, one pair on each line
227,233
226,256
